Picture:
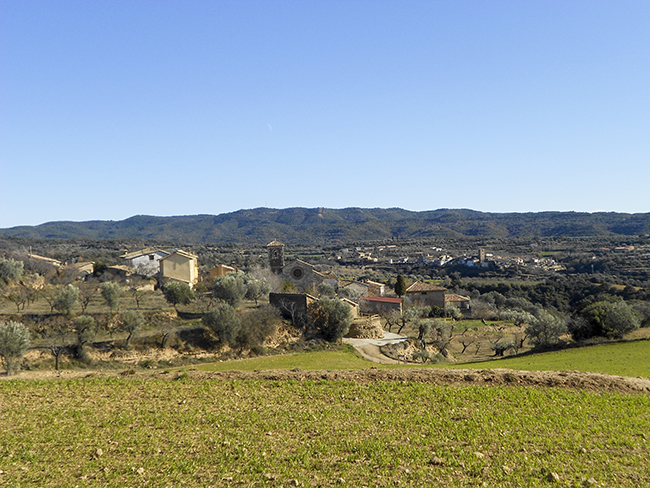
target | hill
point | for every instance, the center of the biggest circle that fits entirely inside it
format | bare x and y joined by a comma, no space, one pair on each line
325,225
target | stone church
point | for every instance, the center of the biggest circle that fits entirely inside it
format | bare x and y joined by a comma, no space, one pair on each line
302,275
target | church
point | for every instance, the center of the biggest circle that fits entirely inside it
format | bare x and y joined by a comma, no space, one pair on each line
302,275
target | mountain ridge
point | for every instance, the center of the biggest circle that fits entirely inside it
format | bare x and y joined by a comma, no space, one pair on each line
327,225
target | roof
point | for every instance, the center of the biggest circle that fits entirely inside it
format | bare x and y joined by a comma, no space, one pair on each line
374,283
326,275
274,244
349,302
420,286
121,267
141,252
185,254
53,261
453,297
382,299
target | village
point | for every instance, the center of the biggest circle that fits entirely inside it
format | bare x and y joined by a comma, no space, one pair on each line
147,303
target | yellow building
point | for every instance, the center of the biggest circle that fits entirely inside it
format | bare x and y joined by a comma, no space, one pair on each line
180,266
221,270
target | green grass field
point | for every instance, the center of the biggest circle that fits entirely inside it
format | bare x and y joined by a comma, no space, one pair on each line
156,433
622,359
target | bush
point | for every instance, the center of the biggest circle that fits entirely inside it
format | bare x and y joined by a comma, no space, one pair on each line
257,326
14,342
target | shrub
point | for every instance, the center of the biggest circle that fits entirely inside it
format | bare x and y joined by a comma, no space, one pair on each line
257,326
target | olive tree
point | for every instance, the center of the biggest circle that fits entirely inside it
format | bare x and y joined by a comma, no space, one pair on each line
110,292
84,329
66,299
230,288
620,319
14,342
131,321
224,322
11,270
257,288
330,318
178,293
546,329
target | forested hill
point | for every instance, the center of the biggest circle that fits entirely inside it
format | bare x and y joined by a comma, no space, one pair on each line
324,225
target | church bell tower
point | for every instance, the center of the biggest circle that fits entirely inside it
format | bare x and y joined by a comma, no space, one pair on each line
276,256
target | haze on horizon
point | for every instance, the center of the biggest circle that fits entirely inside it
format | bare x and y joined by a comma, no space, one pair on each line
109,110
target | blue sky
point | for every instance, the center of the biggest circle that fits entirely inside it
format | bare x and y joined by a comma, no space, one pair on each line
110,109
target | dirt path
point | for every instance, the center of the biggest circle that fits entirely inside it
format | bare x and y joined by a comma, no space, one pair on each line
370,348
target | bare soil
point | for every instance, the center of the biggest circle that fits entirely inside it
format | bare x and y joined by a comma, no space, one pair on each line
445,377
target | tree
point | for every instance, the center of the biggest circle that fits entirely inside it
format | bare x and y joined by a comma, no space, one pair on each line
50,292
131,321
55,332
84,329
11,270
400,286
326,290
14,342
224,322
517,317
502,345
620,319
546,329
66,299
401,320
18,296
257,288
137,288
331,318
178,293
110,292
87,291
230,288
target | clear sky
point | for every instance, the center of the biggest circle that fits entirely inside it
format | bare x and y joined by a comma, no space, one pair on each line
110,109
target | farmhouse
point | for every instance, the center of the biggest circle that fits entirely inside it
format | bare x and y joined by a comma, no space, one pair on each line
420,293
180,266
459,301
145,261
